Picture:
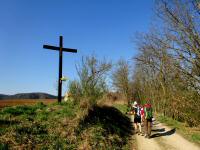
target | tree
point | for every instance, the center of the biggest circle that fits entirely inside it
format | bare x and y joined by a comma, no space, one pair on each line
121,78
168,64
92,79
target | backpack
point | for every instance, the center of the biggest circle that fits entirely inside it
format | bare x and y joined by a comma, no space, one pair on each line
138,111
148,112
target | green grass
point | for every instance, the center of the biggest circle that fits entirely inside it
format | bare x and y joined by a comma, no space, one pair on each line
64,126
34,126
192,134
122,108
196,137
170,122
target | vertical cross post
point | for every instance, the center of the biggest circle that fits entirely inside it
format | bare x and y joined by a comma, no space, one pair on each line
60,71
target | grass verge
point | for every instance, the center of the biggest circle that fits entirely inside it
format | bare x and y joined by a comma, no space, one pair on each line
192,134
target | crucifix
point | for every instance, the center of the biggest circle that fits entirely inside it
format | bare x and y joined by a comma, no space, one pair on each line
61,49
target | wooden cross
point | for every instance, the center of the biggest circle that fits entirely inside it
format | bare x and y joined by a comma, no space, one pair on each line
61,49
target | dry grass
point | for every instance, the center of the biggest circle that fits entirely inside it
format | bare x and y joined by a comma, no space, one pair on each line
15,102
112,99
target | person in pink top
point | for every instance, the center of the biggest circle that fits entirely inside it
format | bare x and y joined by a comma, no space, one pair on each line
142,113
142,117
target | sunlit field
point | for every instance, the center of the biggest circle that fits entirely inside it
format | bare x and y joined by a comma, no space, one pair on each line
16,102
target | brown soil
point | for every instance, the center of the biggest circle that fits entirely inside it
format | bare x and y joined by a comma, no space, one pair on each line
15,102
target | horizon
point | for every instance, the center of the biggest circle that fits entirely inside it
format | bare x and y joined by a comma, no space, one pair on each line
103,28
28,93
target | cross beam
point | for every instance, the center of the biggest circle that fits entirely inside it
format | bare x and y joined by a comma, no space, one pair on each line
61,49
58,48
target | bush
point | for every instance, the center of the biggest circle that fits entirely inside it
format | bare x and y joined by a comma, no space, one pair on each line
75,90
92,80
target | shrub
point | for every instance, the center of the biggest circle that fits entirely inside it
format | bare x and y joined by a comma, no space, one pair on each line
92,80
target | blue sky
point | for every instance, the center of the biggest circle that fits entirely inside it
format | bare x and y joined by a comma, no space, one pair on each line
100,27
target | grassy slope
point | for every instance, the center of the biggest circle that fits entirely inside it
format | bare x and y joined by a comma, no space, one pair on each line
65,126
192,134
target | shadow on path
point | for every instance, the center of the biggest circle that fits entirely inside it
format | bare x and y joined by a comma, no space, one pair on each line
167,133
158,130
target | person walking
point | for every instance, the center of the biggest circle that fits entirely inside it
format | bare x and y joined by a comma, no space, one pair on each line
148,111
137,118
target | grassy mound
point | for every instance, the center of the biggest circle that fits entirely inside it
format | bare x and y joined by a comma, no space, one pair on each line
64,126
108,128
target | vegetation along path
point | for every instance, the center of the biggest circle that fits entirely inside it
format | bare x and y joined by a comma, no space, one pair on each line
164,138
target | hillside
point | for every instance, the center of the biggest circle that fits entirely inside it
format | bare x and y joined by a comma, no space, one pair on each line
36,95
3,96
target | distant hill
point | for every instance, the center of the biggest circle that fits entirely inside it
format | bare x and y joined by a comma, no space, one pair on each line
28,96
3,96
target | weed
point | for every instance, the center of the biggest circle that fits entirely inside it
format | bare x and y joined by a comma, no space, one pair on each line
2,130
18,110
3,146
196,137
42,116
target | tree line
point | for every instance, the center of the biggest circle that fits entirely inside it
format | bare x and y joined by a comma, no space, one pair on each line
168,63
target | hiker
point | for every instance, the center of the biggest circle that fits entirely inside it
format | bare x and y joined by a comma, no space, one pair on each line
142,117
137,118
148,111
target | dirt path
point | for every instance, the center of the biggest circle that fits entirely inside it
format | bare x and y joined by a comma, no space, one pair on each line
164,138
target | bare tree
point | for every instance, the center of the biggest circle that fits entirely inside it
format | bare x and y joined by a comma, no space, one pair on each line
92,78
121,78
